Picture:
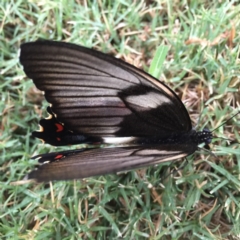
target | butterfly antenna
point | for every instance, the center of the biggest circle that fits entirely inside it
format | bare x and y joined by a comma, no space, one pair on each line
226,121
231,141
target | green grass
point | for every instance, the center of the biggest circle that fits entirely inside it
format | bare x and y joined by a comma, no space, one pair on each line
200,199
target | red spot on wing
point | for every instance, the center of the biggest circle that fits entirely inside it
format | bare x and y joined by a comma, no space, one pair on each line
59,127
58,156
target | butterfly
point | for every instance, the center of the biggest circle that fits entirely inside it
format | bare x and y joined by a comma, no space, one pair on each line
100,100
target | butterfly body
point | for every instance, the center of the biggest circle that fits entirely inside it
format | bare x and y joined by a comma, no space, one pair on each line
98,99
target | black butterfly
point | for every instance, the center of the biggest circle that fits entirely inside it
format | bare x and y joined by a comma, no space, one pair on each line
98,99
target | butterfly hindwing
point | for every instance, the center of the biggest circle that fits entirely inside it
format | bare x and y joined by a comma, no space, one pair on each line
55,133
82,163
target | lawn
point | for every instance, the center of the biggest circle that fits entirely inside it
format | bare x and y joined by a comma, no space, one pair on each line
193,198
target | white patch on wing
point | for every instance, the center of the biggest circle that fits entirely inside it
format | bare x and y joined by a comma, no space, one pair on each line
149,100
118,140
147,152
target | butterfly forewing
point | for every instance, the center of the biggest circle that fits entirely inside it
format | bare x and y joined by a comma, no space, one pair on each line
99,95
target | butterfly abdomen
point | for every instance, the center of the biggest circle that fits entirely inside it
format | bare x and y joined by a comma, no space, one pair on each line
192,137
